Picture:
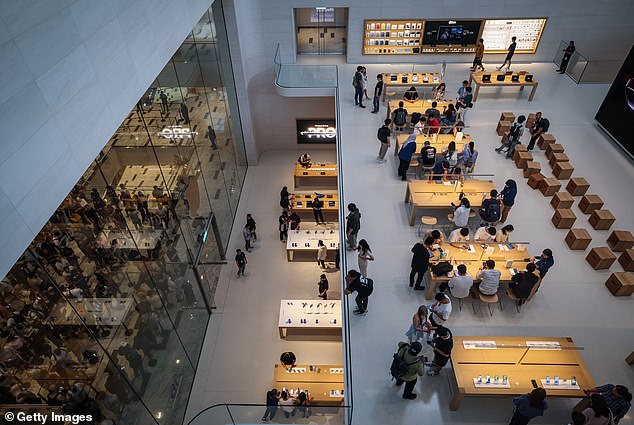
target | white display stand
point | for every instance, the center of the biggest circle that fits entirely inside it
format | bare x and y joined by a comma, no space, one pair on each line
543,345
564,384
479,345
310,317
144,240
307,238
94,311
483,384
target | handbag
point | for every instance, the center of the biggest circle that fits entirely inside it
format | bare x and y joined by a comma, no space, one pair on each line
442,268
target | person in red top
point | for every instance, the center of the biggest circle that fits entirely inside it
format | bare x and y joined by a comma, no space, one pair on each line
433,124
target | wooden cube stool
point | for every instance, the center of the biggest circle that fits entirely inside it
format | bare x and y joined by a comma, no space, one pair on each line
590,203
620,240
621,284
577,186
578,239
564,218
503,126
534,180
544,140
530,121
553,148
558,157
531,168
562,200
600,258
626,260
522,159
563,170
549,186
601,219
518,148
507,116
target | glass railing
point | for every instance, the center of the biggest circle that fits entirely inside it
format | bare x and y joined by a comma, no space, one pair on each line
577,63
303,76
234,414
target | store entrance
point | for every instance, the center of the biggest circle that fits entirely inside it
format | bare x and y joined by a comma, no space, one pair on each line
321,30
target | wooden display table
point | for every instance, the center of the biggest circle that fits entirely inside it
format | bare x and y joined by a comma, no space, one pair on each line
324,383
532,167
544,140
419,106
310,317
621,284
535,180
437,194
440,142
601,219
578,239
476,77
473,254
563,200
564,219
562,170
522,359
589,203
549,186
552,149
577,186
558,157
600,258
626,260
620,240
324,175
302,203
426,79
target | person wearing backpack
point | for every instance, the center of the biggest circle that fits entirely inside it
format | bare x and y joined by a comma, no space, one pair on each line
490,211
357,83
407,366
540,126
383,134
363,286
515,133
405,156
508,195
399,117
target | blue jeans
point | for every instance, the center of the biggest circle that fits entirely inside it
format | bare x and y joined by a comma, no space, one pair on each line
375,104
358,95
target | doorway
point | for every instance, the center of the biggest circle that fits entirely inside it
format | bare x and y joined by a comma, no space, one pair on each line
321,30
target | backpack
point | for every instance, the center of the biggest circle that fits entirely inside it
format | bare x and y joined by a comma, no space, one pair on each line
545,125
442,268
383,133
400,117
399,366
492,211
514,132
354,80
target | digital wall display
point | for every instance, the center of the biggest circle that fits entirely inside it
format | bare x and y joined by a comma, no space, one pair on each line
316,131
322,14
617,110
462,33
497,34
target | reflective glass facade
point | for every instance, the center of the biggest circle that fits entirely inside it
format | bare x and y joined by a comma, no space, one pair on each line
106,311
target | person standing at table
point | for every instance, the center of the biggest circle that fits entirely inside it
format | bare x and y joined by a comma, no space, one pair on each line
294,221
405,156
462,91
165,108
285,199
288,360
465,103
508,195
509,54
322,253
353,225
598,413
540,126
272,403
443,345
357,82
365,256
283,226
420,262
322,287
529,406
490,211
383,134
378,90
568,51
543,262
184,113
241,262
363,286
317,206
479,54
420,325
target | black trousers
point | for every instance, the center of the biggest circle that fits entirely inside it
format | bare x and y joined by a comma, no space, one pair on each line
402,168
519,419
319,217
362,303
419,278
283,235
375,104
409,386
531,144
564,63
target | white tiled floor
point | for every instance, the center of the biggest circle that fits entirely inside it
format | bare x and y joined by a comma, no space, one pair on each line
242,343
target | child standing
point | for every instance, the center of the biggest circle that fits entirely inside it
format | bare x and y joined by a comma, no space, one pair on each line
241,261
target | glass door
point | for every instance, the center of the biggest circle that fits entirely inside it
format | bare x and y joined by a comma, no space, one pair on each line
321,30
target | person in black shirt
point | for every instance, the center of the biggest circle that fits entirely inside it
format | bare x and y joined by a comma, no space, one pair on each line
568,51
285,197
399,116
411,95
357,82
272,403
283,226
522,283
428,156
509,55
443,344
420,262
384,137
378,90
317,206
363,286
433,110
241,262
323,287
541,126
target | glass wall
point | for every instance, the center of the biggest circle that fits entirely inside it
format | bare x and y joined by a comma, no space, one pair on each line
106,311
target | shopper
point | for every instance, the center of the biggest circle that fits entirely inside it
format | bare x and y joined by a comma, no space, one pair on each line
515,133
304,160
529,406
460,284
491,208
464,104
440,170
433,111
450,154
490,278
283,226
317,213
399,117
420,262
462,91
363,286
322,253
411,95
337,258
540,126
433,124
287,403
364,257
428,156
251,226
598,413
504,235
285,199
508,194
184,113
568,51
459,235
485,234
443,345
353,225
364,72
479,54
294,221
436,235
439,91
440,310
407,356
617,397
272,403
383,134
378,90
461,213
523,283
577,418
211,133
247,235
448,119
405,156
509,54
303,404
323,286
241,262
357,82
288,360
420,325
164,105
543,262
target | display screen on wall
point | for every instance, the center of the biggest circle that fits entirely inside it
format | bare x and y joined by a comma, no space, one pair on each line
316,131
462,33
392,37
497,34
322,14
617,110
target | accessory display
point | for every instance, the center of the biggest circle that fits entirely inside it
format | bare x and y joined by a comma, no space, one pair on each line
501,77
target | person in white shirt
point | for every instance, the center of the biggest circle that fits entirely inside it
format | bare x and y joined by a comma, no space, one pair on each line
440,310
461,214
485,234
288,404
503,236
419,127
490,278
459,235
460,285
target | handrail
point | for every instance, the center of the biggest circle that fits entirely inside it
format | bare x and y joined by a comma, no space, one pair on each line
294,76
230,414
577,63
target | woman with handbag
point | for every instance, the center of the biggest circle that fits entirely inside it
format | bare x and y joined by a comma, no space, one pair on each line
420,325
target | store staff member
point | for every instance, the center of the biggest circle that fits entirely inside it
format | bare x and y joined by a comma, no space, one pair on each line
304,160
288,360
